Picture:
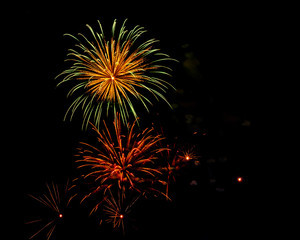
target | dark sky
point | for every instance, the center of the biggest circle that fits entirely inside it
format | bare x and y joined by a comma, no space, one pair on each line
217,77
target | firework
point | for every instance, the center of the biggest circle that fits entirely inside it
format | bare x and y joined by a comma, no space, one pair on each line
177,159
113,73
54,202
127,162
117,209
180,157
186,154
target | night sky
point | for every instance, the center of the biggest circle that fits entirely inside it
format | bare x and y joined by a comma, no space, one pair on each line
214,111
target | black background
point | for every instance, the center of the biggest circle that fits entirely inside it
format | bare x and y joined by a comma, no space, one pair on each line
219,48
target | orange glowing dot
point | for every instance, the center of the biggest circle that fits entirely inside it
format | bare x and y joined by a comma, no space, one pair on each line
187,158
60,215
121,216
239,179
112,78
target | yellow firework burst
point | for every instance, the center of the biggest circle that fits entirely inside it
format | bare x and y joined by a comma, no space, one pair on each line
114,73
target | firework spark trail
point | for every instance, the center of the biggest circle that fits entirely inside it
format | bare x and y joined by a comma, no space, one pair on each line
114,73
52,200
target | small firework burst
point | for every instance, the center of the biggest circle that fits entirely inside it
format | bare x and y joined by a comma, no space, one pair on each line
122,161
116,209
182,156
55,201
112,73
178,158
187,154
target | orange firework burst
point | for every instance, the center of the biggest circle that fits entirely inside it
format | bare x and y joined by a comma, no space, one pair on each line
112,73
123,161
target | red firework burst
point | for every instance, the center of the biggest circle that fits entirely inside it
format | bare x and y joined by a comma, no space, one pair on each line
124,161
